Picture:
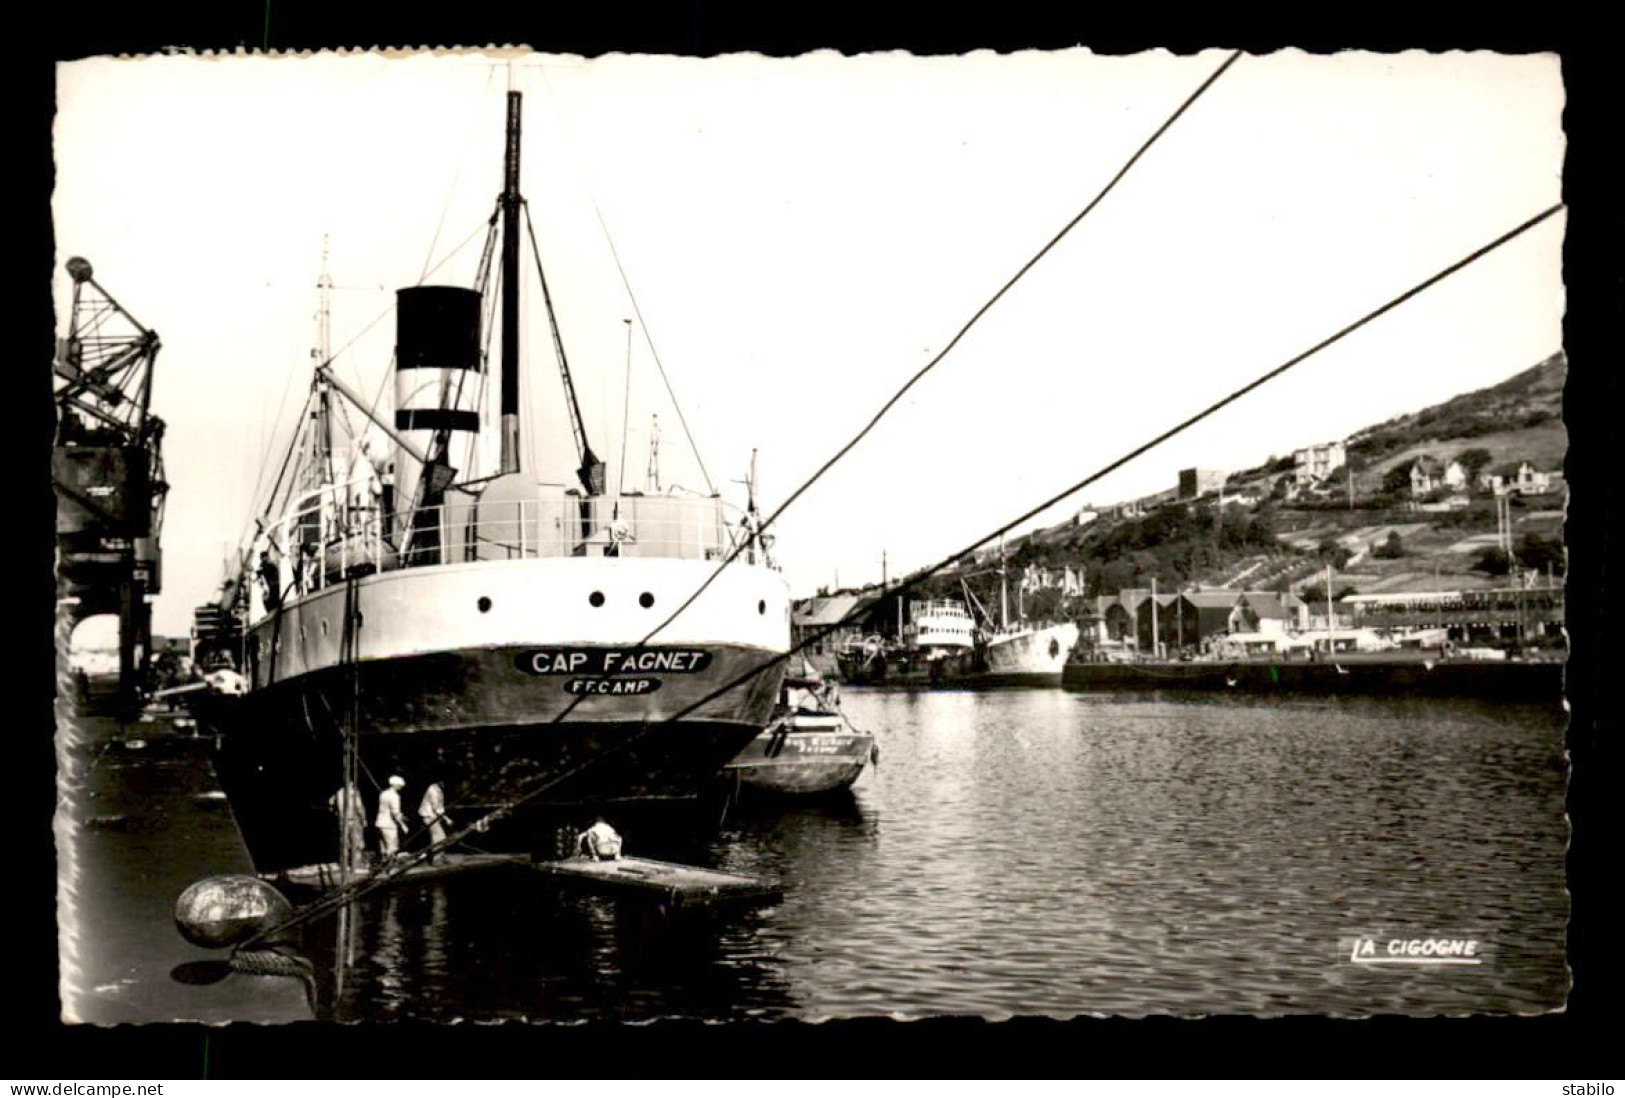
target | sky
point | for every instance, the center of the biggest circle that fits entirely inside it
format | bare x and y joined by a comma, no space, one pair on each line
800,236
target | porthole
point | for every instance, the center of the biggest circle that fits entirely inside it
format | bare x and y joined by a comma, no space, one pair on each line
596,598
484,604
761,606
646,600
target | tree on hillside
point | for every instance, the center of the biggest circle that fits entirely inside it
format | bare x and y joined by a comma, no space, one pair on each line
1397,481
1333,553
1315,594
1539,553
1391,549
1474,461
1491,561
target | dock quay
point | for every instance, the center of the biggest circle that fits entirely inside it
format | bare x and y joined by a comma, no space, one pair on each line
140,817
324,877
1349,673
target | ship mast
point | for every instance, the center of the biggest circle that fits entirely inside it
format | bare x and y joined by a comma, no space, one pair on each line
510,291
316,473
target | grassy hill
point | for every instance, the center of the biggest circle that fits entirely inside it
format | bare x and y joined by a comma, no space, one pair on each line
1521,419
1277,543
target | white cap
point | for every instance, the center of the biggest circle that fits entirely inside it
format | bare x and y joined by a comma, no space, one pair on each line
397,781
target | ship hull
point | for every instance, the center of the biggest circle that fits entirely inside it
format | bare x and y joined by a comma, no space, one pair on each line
553,717
1035,657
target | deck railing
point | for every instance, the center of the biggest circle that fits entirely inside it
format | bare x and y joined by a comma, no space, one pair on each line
322,541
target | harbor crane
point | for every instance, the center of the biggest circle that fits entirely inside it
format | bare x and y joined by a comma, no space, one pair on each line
107,469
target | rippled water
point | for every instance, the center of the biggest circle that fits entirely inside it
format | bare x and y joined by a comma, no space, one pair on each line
1044,852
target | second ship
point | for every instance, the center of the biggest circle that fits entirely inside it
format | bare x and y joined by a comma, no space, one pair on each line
943,645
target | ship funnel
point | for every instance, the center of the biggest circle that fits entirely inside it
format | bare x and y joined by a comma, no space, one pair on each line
437,350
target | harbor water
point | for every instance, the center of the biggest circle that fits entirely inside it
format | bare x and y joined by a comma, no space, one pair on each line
1044,852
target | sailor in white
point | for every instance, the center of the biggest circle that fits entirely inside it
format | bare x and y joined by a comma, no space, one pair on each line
432,811
390,821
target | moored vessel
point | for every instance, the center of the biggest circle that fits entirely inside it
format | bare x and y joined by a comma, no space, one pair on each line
944,645
538,651
810,747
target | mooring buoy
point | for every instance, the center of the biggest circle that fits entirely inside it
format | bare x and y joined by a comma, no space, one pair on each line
222,911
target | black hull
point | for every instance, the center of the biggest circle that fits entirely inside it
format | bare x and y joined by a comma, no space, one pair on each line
937,675
280,749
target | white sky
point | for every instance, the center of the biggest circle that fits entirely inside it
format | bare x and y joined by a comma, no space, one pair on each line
803,234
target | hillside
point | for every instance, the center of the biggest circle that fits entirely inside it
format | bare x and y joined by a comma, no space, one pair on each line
1530,399
1270,540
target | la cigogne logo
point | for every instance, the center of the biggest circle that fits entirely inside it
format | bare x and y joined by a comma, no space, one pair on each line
1376,949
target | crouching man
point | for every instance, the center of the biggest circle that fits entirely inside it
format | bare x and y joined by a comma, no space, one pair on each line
600,842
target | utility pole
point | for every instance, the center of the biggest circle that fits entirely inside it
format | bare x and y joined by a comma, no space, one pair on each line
1156,641
1331,642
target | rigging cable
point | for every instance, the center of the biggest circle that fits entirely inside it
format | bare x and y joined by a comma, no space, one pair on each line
637,312
265,443
654,354
462,159
626,416
952,343
287,458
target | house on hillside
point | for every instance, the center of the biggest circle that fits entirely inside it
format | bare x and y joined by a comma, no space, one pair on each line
1196,483
1516,478
1313,464
1429,475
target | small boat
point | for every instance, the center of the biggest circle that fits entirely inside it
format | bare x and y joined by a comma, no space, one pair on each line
809,747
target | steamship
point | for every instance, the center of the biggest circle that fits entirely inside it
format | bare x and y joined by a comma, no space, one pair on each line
944,645
542,652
